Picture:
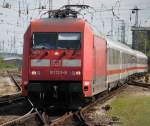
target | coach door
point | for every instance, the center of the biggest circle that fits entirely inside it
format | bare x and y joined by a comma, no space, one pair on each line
100,65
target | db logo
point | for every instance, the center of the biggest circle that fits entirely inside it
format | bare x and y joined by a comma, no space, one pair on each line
56,63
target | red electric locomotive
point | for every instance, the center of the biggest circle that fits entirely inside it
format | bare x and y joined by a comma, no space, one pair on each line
54,51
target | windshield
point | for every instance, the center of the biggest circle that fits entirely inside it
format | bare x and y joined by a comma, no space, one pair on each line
46,40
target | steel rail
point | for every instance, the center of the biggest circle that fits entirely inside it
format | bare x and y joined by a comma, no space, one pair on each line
138,83
79,115
21,119
15,82
12,96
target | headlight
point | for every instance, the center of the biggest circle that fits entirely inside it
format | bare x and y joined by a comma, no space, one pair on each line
78,73
86,83
35,72
74,73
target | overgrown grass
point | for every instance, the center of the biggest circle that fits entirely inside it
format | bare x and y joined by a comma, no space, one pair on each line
132,110
4,65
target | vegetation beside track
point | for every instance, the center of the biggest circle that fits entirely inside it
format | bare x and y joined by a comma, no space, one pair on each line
131,109
4,65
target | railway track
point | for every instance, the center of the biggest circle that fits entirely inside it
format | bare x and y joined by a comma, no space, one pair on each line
139,83
21,120
77,118
32,117
12,112
69,118
15,80
15,109
13,96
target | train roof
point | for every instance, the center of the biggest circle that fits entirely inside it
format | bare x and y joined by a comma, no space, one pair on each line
118,45
125,48
113,44
140,54
58,23
58,20
110,42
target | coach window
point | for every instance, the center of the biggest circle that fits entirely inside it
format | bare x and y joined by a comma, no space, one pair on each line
110,56
114,58
122,56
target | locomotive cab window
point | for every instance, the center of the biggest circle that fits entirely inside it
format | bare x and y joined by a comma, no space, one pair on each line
61,40
43,40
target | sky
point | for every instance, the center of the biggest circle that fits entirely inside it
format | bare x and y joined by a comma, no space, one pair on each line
13,25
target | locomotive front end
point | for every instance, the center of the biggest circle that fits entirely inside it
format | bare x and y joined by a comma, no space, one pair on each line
54,73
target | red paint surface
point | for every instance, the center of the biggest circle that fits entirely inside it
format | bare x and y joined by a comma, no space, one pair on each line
25,65
50,54
49,25
45,73
88,58
57,25
118,71
100,56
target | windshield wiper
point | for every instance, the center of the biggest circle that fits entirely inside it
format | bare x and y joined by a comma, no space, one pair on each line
40,47
61,48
